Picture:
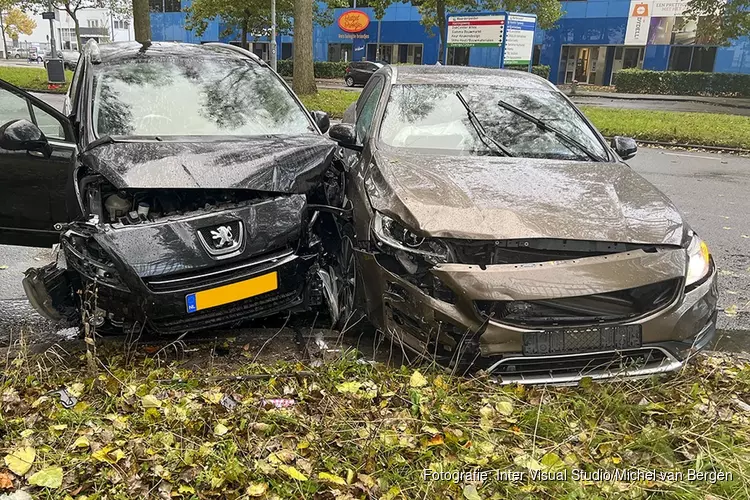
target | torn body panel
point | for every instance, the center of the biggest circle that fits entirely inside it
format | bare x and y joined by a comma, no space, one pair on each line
275,164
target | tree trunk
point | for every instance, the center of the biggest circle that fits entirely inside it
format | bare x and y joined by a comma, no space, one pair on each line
141,21
440,7
78,30
303,76
243,40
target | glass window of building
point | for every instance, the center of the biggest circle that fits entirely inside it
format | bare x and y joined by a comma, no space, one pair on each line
403,53
340,52
165,5
692,58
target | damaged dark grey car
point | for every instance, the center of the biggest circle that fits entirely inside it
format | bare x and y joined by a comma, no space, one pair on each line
180,181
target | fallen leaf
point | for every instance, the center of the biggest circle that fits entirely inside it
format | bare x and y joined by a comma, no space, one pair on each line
184,488
293,473
332,478
726,227
470,492
51,477
256,489
527,462
6,481
3,268
109,454
20,461
731,311
504,408
435,440
81,442
150,401
220,429
349,387
417,379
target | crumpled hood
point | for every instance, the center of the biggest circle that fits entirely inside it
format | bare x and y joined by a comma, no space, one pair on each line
487,197
281,164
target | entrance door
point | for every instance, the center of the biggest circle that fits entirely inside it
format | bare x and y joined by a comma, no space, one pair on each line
582,65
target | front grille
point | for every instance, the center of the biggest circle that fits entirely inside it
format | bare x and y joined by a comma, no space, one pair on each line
218,275
584,309
579,365
254,307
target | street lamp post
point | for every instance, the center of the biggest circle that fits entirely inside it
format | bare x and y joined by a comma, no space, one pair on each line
273,35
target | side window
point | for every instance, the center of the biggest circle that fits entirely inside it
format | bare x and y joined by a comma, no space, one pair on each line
366,113
12,107
48,124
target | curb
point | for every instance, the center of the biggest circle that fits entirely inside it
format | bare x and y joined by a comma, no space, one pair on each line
643,97
715,149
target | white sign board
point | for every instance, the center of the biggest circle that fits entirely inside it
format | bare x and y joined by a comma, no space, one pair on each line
519,39
475,31
642,11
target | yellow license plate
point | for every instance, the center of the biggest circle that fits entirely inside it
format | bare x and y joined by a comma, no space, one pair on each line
232,293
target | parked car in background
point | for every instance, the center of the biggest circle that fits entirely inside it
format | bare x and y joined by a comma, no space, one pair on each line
18,53
69,58
359,72
180,181
34,55
492,226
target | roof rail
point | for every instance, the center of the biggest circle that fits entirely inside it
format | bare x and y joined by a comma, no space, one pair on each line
237,49
92,50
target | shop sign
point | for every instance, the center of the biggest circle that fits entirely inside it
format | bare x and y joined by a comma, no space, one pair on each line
353,21
655,16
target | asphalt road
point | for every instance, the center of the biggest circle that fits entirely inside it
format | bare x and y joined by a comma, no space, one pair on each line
710,189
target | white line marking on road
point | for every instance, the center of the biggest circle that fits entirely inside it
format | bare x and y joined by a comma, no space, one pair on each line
693,156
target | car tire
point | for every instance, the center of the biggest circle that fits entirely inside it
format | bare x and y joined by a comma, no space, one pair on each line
349,81
17,56
352,306
39,59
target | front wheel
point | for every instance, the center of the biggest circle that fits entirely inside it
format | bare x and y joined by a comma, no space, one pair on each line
349,81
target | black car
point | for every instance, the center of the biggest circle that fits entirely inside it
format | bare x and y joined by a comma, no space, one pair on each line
179,182
359,72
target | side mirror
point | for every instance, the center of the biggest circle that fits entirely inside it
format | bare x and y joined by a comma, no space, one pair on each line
625,147
321,120
345,135
18,135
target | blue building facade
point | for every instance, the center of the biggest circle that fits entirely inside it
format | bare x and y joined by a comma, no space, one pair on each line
589,43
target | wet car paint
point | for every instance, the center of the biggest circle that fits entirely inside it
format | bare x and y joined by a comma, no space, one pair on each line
489,198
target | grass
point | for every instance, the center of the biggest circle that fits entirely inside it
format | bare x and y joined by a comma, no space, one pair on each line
143,427
31,78
333,102
704,129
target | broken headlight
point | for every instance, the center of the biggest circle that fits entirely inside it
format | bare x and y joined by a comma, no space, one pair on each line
699,261
402,240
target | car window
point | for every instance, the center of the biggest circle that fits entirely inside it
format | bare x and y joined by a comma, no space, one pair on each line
48,124
367,111
12,107
162,97
432,117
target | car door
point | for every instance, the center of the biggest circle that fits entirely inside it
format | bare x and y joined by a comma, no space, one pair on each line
32,184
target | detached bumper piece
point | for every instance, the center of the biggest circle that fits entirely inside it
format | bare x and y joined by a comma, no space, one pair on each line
50,293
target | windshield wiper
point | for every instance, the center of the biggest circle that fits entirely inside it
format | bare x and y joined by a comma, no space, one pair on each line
549,128
488,141
105,139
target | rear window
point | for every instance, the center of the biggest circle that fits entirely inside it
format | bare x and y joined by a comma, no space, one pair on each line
162,97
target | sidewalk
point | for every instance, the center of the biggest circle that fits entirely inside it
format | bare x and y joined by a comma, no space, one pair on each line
732,102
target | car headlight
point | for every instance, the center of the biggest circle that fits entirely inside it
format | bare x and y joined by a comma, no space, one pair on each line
699,261
398,237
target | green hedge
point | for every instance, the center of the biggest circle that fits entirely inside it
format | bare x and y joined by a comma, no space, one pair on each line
323,69
541,70
638,81
335,70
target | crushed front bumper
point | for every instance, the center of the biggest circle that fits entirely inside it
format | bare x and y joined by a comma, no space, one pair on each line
144,273
434,328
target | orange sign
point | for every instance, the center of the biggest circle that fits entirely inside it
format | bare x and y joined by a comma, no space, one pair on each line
640,10
353,21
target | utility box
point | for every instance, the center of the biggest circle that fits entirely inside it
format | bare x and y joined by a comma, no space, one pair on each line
55,71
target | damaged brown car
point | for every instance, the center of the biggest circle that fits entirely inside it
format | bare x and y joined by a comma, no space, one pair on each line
494,227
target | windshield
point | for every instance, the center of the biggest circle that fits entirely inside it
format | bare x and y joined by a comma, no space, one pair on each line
433,117
162,97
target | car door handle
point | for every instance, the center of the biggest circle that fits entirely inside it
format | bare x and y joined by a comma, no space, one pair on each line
38,154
